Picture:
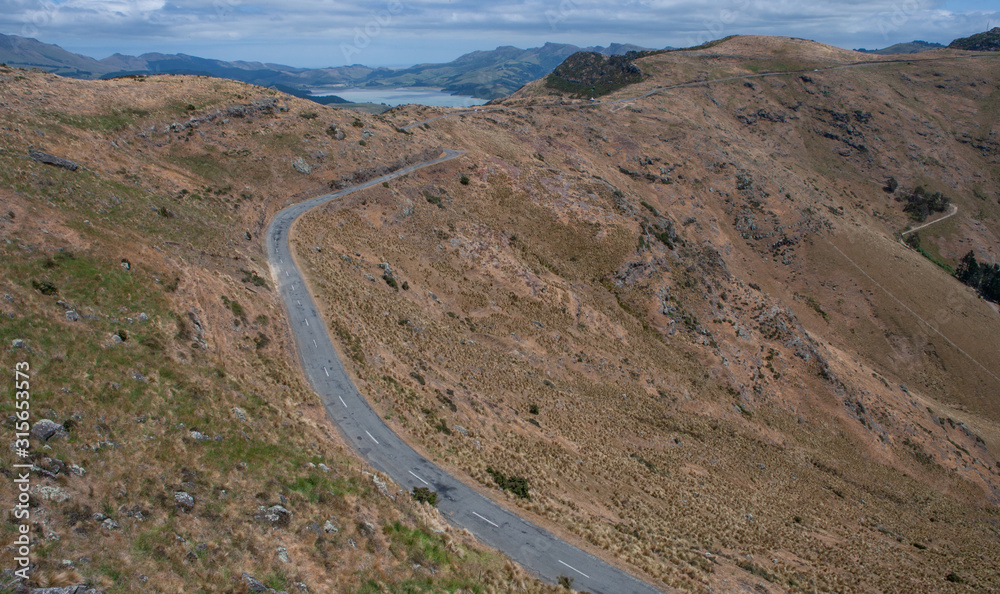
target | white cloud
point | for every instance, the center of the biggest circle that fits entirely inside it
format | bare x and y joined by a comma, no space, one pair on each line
305,28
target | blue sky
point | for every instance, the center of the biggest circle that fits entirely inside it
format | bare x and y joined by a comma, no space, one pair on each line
312,33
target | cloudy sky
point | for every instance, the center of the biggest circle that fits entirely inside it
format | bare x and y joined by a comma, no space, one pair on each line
313,33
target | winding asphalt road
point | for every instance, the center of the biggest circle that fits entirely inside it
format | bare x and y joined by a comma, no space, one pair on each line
535,549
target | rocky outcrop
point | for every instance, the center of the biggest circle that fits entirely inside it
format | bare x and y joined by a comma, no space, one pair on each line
48,159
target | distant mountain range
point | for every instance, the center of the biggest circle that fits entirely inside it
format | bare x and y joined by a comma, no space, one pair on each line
482,74
912,47
988,41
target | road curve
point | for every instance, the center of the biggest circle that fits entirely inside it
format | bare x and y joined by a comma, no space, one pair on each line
536,549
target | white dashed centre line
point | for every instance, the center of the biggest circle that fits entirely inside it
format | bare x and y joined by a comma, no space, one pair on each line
344,403
307,322
286,273
314,343
326,371
419,479
485,520
574,569
373,439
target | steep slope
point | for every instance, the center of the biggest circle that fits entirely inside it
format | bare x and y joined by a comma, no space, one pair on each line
685,325
25,52
135,286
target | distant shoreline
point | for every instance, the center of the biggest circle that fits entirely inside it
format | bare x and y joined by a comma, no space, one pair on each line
394,96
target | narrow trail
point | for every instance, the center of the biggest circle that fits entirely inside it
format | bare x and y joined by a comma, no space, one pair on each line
913,313
954,211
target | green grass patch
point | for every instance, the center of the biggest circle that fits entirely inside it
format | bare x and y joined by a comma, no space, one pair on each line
316,485
418,544
118,119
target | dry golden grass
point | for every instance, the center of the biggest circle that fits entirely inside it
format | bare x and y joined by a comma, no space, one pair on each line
213,356
771,388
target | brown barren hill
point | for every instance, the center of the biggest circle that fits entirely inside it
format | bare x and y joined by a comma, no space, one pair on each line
687,320
681,313
192,454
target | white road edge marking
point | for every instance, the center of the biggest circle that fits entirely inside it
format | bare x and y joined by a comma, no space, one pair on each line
485,520
573,568
375,440
420,479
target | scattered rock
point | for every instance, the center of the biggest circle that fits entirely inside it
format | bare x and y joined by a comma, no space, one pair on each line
276,515
18,343
382,487
47,429
462,430
72,316
49,493
184,500
283,555
330,528
323,467
366,528
301,166
81,589
241,415
52,160
143,317
199,436
109,524
252,584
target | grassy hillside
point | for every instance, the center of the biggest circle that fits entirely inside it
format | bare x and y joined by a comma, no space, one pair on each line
688,324
988,41
137,290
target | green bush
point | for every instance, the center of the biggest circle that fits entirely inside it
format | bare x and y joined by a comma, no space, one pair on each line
920,203
518,486
464,180
44,287
425,495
